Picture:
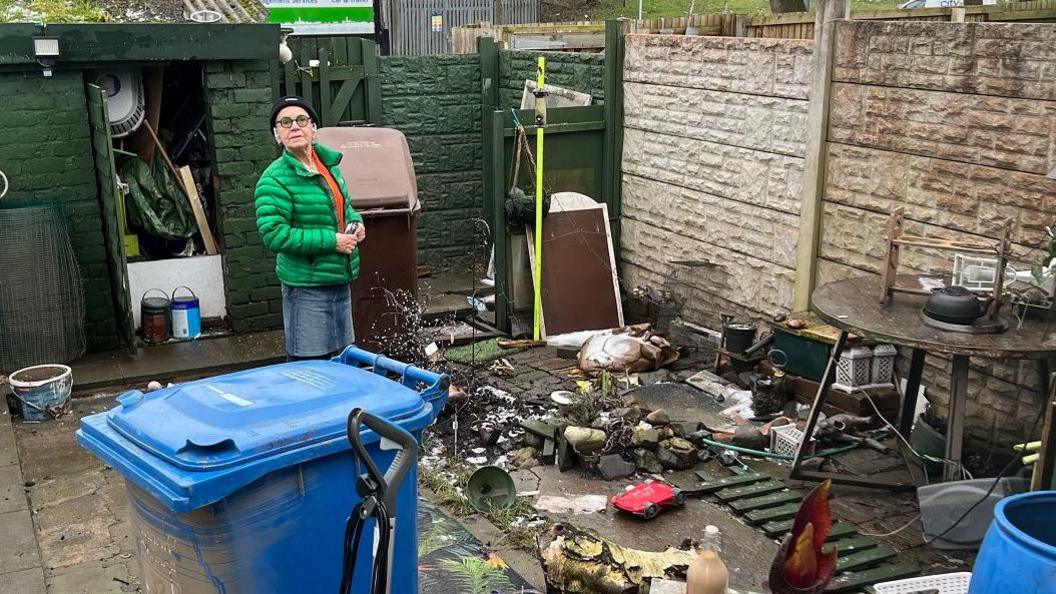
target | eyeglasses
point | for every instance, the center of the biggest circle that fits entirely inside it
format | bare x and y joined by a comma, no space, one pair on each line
302,121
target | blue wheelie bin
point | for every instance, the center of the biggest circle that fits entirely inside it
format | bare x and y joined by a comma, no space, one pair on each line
242,483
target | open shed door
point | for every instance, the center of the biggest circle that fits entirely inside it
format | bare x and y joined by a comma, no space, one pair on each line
110,201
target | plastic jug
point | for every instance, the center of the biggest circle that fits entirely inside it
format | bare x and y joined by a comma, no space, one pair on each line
708,574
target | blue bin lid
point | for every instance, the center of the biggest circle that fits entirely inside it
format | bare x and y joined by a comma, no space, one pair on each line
194,443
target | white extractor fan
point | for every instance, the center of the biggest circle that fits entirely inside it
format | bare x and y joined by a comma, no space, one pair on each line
124,99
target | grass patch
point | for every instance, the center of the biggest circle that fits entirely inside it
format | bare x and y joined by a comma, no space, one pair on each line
651,9
479,352
512,521
51,11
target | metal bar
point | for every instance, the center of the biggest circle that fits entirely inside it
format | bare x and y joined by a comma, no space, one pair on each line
559,128
909,399
819,400
955,416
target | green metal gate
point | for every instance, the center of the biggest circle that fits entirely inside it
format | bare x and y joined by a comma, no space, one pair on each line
338,76
110,200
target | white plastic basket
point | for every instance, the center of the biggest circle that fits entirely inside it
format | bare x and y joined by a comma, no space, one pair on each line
785,439
946,583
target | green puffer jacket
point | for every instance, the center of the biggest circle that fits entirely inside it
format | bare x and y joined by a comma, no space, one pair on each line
296,218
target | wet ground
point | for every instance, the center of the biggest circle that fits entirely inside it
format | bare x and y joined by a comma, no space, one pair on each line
79,509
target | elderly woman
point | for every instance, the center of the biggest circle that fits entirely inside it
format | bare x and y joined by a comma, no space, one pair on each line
304,215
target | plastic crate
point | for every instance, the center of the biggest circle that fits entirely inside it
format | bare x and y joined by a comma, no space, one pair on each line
785,439
946,583
800,355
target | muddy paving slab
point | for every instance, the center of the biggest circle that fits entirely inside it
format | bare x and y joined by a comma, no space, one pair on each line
746,550
78,507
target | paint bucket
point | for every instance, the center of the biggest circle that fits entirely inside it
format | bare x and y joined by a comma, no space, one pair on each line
186,316
738,336
1019,551
43,391
154,317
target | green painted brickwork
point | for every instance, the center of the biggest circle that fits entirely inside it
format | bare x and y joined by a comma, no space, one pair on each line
239,100
435,102
576,71
46,151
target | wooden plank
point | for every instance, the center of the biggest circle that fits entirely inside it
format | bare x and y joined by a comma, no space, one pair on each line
857,580
305,59
780,528
328,111
191,191
865,559
289,77
765,501
850,546
772,514
749,490
372,80
711,485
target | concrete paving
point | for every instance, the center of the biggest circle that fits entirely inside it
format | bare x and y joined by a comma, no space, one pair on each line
20,563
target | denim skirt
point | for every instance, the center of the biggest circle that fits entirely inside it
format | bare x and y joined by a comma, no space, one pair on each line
317,320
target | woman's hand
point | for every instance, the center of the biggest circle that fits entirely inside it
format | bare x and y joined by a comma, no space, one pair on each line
361,233
346,243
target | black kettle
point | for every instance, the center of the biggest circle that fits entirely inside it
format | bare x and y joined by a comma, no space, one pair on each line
953,305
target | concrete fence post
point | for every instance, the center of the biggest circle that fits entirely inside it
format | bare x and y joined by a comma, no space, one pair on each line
810,214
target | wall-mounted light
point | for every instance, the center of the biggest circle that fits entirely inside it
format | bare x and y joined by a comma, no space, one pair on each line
47,51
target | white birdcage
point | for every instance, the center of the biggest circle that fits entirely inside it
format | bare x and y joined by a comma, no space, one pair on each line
853,369
884,365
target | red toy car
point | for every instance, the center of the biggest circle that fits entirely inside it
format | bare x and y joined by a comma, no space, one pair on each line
647,499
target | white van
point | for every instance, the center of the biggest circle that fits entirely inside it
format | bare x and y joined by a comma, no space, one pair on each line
937,3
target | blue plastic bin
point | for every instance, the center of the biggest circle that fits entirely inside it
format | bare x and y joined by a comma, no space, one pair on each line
242,483
1018,555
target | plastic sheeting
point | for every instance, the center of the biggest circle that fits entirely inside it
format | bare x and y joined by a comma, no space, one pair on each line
155,202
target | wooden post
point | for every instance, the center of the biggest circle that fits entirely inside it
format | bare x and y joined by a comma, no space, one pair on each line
811,208
372,81
489,73
612,180
957,14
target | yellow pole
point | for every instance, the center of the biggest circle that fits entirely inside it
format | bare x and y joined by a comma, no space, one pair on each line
540,122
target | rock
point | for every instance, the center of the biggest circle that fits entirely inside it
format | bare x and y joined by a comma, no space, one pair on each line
613,467
601,423
635,403
540,428
532,440
655,377
686,428
584,440
647,461
658,417
524,458
646,438
566,457
676,454
748,436
630,414
489,436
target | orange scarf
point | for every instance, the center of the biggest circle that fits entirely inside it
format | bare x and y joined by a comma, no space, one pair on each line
335,190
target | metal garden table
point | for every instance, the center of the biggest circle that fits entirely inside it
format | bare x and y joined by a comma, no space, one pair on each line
853,306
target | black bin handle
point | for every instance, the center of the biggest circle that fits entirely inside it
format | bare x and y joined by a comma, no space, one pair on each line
406,457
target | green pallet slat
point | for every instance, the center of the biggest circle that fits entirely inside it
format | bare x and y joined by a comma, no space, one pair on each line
850,546
750,490
712,485
764,501
772,514
864,559
858,580
839,530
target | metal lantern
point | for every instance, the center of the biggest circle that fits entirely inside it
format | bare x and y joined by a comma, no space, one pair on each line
884,365
853,369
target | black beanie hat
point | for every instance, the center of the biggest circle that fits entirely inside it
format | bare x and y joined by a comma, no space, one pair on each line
291,101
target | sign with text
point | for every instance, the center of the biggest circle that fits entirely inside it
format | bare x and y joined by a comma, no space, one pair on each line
323,17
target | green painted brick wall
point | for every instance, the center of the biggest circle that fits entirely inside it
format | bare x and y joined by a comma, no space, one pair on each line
46,151
435,102
239,97
576,71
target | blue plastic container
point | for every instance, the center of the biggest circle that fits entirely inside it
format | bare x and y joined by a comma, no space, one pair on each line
1019,552
40,389
242,483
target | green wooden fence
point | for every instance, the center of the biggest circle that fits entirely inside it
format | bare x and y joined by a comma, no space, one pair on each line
337,75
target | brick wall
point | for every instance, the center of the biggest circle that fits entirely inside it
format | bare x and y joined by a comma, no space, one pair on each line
46,153
714,138
571,70
956,124
435,102
239,97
